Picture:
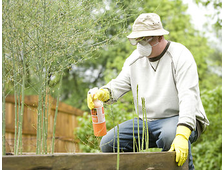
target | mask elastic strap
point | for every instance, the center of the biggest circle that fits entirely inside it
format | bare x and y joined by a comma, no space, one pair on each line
155,44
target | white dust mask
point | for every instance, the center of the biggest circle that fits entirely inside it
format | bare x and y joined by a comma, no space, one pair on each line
145,49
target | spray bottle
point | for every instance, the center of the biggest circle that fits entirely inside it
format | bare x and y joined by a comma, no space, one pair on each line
98,116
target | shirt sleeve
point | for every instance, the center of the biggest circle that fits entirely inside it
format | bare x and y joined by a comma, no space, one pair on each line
120,85
188,88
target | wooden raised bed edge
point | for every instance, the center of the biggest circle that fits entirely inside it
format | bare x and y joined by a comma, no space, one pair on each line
94,161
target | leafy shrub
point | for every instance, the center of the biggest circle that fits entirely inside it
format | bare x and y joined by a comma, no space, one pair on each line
207,151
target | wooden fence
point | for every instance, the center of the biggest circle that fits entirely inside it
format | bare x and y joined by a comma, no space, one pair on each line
66,123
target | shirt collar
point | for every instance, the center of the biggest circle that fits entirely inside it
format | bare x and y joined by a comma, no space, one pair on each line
160,56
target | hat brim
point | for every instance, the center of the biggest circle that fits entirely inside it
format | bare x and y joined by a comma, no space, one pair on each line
148,33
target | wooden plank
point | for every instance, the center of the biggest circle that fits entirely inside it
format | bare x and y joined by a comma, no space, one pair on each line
62,107
10,115
31,119
91,161
32,100
62,145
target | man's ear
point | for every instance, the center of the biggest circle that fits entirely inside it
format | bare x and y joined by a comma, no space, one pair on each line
160,38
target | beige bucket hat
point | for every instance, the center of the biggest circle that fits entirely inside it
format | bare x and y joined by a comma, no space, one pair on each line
147,24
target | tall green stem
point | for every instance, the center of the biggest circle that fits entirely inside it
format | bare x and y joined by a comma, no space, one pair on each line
56,113
44,136
38,147
3,104
138,122
133,133
46,126
39,114
20,125
147,130
18,89
143,128
118,148
22,107
16,115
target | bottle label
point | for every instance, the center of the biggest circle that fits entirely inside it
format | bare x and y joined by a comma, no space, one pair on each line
98,115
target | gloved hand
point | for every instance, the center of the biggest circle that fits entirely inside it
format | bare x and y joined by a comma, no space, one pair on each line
101,94
180,144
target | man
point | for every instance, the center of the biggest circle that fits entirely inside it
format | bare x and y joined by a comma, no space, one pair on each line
165,74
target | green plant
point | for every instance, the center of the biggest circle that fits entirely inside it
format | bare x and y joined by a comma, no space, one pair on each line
207,151
43,40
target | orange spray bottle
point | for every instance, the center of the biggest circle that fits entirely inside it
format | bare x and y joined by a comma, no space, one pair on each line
98,116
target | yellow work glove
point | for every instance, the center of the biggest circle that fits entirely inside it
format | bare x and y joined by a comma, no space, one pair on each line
180,144
101,94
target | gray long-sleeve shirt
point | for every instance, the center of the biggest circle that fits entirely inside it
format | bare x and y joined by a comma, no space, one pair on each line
169,85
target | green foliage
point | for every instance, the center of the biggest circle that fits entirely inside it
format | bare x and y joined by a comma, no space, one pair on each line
48,41
55,37
216,17
207,151
208,155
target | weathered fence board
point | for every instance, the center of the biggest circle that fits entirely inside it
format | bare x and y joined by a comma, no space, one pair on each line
90,161
66,123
